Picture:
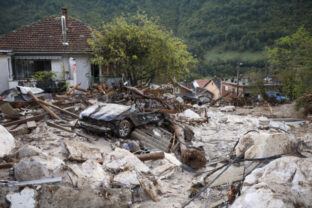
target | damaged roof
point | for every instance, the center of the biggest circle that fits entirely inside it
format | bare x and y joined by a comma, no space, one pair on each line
46,36
216,81
201,82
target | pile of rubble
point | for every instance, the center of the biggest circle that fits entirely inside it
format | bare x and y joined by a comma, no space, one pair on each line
140,147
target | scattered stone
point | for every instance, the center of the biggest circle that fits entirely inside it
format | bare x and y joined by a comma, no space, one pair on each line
258,145
29,151
122,159
37,167
89,174
80,151
229,108
26,199
31,124
285,182
7,142
127,179
189,114
180,100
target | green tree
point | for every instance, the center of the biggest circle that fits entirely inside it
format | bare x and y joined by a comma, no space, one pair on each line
142,49
291,60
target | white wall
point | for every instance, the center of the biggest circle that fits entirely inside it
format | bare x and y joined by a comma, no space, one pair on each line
83,70
4,73
57,65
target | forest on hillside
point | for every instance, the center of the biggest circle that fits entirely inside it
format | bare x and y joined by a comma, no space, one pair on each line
220,33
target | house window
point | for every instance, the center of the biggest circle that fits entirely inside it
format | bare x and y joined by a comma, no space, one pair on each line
26,68
226,88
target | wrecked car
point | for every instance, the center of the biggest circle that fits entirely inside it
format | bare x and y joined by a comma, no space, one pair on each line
117,119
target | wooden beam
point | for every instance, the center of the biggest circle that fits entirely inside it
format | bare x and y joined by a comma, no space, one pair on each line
43,106
34,118
58,108
80,89
72,89
152,156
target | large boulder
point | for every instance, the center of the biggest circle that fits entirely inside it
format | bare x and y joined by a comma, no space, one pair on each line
285,182
37,167
7,142
89,174
258,145
80,151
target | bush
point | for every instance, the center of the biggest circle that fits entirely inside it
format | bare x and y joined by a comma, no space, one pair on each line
43,76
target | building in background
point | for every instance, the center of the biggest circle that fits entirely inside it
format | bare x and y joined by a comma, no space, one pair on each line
57,44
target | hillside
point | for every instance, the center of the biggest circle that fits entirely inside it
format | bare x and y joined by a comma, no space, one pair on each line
220,33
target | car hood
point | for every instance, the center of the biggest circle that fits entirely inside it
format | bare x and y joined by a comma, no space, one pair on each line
106,111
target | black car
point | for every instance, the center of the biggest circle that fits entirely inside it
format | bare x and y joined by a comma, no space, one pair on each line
116,118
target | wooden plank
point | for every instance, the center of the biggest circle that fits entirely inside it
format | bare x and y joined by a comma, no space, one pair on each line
34,118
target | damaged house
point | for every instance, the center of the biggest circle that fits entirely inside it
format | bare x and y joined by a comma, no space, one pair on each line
57,44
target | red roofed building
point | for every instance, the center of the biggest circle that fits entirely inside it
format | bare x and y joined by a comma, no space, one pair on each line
56,44
200,83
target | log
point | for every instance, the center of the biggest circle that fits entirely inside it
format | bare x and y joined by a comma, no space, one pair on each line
189,156
58,108
152,156
139,92
147,191
34,118
43,106
68,130
72,89
99,88
79,89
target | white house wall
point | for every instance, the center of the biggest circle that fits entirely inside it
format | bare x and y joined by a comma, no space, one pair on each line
59,66
4,73
83,70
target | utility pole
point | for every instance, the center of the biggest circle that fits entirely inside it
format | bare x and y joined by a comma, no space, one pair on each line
237,71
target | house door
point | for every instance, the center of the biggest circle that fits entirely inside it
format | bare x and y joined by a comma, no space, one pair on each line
95,74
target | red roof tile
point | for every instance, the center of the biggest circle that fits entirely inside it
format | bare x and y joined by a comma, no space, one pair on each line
201,82
46,36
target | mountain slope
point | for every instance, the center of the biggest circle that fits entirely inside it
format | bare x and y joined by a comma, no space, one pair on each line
220,33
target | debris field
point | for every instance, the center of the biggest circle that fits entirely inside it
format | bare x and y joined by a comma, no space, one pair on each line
146,146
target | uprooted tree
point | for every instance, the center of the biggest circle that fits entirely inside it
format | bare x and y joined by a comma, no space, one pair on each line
142,49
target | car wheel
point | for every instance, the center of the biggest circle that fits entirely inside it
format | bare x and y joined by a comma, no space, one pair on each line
124,128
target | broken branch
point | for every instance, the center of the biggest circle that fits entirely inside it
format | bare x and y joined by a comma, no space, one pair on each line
43,106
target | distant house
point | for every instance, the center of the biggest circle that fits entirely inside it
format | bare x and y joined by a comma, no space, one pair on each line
214,86
200,83
230,87
57,44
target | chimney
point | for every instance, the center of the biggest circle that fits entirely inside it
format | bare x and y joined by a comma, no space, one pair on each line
64,13
64,26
